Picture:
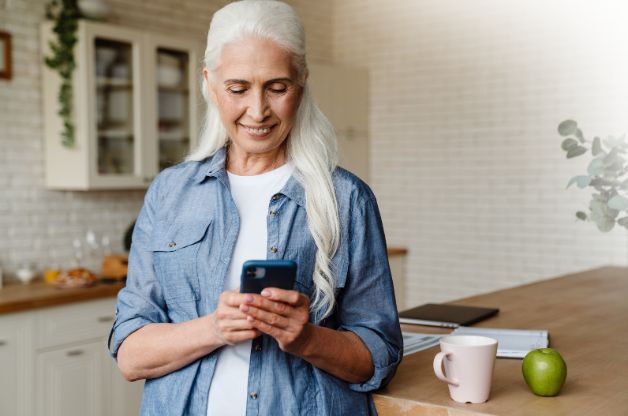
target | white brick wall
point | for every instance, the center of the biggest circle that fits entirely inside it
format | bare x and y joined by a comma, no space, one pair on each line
37,225
465,158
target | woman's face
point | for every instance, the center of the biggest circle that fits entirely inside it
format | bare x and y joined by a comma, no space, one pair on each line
255,88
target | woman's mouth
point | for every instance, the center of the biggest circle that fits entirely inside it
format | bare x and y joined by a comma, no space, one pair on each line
258,131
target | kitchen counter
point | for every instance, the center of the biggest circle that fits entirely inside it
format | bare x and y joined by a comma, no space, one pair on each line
16,297
585,314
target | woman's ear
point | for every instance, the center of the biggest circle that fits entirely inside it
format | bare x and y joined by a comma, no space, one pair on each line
211,93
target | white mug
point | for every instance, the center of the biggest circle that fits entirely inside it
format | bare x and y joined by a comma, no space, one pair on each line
469,361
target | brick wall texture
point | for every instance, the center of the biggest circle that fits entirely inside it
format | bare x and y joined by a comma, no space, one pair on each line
465,157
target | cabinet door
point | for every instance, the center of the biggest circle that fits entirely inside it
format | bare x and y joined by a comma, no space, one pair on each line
71,381
16,371
115,116
172,99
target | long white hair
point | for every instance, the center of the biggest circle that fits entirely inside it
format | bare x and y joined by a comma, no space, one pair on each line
311,144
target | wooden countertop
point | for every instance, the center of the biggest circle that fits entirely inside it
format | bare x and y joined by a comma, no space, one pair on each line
16,297
587,318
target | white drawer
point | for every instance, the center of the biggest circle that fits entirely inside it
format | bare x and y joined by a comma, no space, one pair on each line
77,322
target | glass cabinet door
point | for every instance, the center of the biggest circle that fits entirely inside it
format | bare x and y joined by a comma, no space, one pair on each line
114,107
173,98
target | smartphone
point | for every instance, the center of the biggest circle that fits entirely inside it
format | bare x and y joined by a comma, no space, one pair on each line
260,274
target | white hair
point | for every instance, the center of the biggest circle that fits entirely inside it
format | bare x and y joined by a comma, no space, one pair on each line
311,144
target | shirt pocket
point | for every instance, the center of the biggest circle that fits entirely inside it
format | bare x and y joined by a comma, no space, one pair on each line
175,259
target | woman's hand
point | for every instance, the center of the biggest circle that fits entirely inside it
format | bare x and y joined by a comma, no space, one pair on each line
229,325
282,314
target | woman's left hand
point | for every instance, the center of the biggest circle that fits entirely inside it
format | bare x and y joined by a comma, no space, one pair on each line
282,314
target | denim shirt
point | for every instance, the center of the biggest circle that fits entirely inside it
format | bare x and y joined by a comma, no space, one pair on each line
182,246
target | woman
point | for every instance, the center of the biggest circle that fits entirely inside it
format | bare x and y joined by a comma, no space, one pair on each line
262,184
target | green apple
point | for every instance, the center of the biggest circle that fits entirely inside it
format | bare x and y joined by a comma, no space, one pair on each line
545,371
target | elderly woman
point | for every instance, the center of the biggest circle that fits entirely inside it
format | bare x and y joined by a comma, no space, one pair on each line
263,183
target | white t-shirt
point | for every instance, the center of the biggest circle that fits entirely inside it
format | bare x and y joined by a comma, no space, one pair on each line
252,194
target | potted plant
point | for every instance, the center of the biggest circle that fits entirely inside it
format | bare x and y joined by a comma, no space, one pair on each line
607,174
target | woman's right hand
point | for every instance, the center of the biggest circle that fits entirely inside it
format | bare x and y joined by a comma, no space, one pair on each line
228,323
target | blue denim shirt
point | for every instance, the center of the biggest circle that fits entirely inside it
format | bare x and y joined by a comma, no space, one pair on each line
182,246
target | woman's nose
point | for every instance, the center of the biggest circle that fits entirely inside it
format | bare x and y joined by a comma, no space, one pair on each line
258,107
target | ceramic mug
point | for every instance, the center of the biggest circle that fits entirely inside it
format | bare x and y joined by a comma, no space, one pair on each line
468,366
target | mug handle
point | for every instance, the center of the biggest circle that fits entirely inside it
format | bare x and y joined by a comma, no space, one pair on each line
438,368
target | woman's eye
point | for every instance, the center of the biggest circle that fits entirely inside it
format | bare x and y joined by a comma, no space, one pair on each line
278,89
236,90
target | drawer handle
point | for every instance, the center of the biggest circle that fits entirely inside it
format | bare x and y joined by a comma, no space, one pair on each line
2,343
105,319
74,353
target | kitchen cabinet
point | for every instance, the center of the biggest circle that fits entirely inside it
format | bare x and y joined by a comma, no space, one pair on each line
16,364
135,107
71,381
55,361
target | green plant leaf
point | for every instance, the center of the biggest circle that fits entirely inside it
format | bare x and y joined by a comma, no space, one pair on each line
618,202
582,181
579,135
596,148
576,151
568,144
604,223
601,214
596,167
567,127
581,215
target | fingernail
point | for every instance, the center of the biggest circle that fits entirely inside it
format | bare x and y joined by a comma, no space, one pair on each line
249,318
265,293
248,298
244,308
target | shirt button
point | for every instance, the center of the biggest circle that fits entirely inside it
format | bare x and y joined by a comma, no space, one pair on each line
172,244
258,347
273,249
253,395
273,213
275,197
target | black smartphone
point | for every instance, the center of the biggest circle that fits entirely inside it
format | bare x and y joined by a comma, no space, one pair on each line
260,274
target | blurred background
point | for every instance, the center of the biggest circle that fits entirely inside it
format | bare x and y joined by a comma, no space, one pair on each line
464,99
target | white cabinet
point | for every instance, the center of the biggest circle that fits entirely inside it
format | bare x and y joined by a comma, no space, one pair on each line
55,361
16,369
71,381
135,108
342,93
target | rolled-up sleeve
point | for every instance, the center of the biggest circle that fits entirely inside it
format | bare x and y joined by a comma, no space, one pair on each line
367,305
141,301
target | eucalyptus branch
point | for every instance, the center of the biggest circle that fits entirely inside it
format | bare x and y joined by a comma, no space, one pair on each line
606,174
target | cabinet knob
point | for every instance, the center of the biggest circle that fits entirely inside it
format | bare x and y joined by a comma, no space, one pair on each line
105,319
74,353
2,343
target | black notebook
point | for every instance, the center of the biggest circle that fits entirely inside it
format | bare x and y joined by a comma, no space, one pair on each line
450,316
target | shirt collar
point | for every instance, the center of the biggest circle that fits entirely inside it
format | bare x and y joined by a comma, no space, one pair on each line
214,166
211,166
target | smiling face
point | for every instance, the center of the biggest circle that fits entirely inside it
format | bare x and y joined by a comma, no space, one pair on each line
256,91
